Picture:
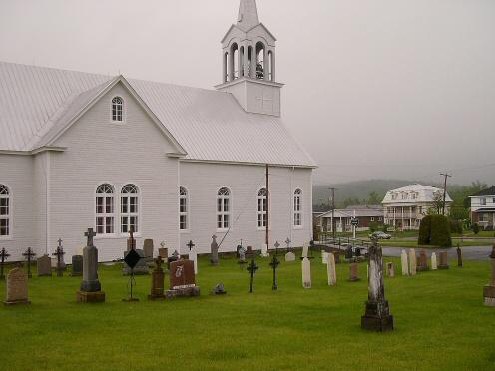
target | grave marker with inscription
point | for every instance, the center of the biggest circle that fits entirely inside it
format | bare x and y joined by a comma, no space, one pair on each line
17,287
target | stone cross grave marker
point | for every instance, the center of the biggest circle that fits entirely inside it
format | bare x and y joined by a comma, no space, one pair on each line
17,287
193,255
157,281
252,268
331,274
412,262
434,261
287,242
90,290
44,266
444,260
3,256
404,263
377,315
59,253
489,290
214,260
274,264
276,245
29,254
306,273
353,272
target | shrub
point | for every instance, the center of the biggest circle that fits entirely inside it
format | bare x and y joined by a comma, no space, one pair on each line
435,230
476,228
456,226
385,228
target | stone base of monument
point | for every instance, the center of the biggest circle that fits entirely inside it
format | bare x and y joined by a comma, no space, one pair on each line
183,292
377,317
489,295
90,297
17,302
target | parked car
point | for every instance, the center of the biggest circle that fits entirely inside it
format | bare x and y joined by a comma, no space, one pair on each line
381,235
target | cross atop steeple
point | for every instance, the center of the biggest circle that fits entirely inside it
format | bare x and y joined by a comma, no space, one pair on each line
248,15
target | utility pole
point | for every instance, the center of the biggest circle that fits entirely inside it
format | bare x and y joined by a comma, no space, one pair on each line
267,207
446,175
333,210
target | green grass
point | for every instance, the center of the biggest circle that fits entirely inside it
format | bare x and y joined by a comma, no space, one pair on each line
394,242
439,318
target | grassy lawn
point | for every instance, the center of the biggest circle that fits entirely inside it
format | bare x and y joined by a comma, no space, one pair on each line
414,243
440,324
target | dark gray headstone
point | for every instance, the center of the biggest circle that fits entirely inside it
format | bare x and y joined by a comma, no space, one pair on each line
77,265
44,266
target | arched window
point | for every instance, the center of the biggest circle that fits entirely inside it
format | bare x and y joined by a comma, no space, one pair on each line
260,57
129,208
4,211
105,210
223,208
183,209
262,207
117,109
296,207
235,61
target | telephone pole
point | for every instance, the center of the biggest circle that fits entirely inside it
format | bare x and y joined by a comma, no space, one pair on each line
446,175
333,209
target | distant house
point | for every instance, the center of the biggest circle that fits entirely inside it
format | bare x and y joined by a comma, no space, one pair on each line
404,207
365,214
483,208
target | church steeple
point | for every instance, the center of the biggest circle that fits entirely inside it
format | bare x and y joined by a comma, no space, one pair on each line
248,15
249,63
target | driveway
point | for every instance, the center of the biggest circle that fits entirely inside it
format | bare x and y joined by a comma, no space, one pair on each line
468,252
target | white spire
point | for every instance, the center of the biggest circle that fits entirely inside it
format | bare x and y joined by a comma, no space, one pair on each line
248,15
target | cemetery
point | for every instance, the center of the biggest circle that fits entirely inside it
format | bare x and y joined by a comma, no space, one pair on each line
271,309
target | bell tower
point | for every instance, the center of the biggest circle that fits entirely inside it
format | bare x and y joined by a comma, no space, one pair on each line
248,60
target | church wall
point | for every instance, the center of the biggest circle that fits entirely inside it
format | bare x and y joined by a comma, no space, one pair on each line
40,192
203,181
16,172
98,152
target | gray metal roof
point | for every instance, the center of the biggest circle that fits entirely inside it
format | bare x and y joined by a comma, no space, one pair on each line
209,125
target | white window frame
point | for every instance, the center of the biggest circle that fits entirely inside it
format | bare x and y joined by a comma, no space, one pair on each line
297,219
6,194
184,197
125,200
483,201
105,214
224,209
261,206
372,219
115,104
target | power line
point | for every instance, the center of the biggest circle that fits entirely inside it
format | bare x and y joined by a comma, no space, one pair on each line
446,175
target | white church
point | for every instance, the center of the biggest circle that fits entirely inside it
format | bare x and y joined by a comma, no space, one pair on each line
175,163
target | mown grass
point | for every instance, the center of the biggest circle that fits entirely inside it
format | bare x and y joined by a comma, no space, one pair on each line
440,324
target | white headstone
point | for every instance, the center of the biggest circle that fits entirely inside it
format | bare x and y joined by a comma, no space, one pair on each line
434,261
290,257
264,250
193,255
305,250
324,257
412,262
331,274
306,273
404,263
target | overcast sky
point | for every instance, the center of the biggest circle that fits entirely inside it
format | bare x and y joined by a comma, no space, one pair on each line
397,89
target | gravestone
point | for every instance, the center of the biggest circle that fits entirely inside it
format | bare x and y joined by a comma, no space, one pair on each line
331,273
252,268
214,251
175,257
390,269
444,260
29,254
182,279
264,250
305,250
44,266
219,289
306,273
337,257
434,261
3,256
377,315
242,255
290,256
90,291
489,290
274,264
404,263
193,255
324,257
17,287
250,252
59,254
163,253
140,269
353,272
148,249
77,265
422,264
459,256
412,262
157,281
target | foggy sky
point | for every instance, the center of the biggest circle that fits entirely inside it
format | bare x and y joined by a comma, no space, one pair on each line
397,89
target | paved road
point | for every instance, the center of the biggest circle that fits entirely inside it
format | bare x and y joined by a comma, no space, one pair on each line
468,252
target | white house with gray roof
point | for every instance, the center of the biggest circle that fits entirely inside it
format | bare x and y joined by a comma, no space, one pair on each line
404,207
80,150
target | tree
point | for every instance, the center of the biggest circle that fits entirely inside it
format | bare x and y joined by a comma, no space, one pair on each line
476,228
435,230
374,198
